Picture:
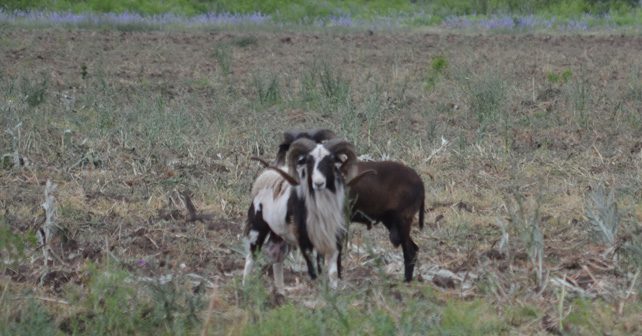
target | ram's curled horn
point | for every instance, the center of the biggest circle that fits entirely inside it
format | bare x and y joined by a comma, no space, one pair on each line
285,175
264,163
356,179
320,135
299,147
288,137
342,147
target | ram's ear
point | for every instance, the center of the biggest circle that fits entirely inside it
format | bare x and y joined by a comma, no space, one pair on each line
342,157
343,149
340,160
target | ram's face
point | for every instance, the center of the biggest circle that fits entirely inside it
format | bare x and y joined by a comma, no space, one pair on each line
318,169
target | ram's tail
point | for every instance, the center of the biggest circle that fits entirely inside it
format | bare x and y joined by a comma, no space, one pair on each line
421,213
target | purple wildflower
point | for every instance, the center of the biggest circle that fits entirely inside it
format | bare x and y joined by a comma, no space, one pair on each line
495,22
341,21
129,18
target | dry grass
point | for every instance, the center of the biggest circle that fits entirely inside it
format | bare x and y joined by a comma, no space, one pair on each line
133,127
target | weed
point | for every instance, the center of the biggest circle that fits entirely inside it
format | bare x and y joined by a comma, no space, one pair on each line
12,245
29,319
34,91
285,320
523,314
559,78
601,211
308,89
586,317
223,55
525,223
634,87
151,304
579,94
267,89
372,111
485,97
438,67
245,41
83,71
333,86
254,294
174,307
632,249
632,100
14,159
463,318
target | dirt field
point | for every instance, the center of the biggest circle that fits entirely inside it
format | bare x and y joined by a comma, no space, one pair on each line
135,127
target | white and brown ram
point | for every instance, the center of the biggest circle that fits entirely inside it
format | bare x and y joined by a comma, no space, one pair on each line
393,194
301,204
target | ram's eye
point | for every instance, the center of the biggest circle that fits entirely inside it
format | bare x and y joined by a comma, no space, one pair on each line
301,160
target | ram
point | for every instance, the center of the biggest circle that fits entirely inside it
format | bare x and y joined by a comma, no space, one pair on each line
301,204
393,194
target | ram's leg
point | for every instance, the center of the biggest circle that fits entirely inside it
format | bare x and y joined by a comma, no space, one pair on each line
249,265
307,255
258,231
276,250
340,242
319,263
400,235
277,269
409,258
392,222
332,264
409,251
339,263
255,239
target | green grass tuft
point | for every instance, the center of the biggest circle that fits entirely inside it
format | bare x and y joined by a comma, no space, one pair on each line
468,318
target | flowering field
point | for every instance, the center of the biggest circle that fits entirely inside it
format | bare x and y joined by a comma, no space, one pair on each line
126,145
486,23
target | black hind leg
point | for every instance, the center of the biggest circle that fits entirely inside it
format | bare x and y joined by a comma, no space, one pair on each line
392,223
409,258
399,230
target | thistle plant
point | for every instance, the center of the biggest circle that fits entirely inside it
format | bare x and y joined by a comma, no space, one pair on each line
13,159
601,211
526,224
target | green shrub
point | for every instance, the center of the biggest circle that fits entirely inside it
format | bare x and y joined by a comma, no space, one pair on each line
485,96
34,91
437,69
267,89
468,318
27,320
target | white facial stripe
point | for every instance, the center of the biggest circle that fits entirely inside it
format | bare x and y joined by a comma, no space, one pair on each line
318,154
